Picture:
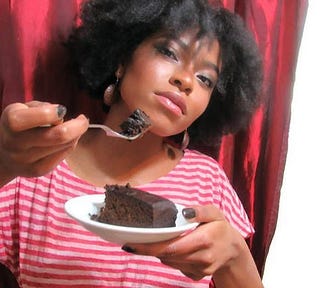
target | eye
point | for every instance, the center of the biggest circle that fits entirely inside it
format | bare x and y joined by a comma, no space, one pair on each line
206,81
165,50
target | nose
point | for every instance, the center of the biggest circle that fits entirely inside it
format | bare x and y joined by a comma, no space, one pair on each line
183,79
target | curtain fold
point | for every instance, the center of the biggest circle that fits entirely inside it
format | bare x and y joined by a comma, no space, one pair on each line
33,66
33,60
255,159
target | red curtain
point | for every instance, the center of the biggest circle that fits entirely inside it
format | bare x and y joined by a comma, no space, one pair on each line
32,56
255,159
33,65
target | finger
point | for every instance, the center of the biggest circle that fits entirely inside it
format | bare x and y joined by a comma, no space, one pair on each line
26,116
203,214
46,136
201,238
151,249
169,248
202,262
189,270
193,276
35,103
63,133
35,154
192,269
204,256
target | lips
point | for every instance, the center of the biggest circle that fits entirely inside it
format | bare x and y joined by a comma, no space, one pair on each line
173,101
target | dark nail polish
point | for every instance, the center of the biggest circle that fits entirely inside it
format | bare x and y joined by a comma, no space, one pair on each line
128,249
61,111
188,213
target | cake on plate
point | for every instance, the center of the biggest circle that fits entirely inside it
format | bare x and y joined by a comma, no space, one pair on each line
127,206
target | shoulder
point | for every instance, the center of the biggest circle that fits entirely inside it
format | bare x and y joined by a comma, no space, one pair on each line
196,157
193,158
224,195
202,170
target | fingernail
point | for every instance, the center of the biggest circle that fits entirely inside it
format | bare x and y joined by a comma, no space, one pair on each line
128,249
61,111
188,213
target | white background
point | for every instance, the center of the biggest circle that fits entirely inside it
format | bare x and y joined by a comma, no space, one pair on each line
301,250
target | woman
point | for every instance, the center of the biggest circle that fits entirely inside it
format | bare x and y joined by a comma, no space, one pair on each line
194,70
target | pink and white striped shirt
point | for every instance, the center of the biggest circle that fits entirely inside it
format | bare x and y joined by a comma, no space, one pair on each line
44,247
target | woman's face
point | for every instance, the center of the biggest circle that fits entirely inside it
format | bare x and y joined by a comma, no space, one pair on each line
171,80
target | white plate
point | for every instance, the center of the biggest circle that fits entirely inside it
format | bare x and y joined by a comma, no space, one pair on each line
81,208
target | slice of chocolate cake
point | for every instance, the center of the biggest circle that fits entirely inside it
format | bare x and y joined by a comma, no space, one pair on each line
137,123
126,206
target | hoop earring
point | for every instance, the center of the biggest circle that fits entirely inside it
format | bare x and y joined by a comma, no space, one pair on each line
109,93
185,140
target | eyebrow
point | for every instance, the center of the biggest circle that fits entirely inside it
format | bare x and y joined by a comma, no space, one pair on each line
185,46
212,66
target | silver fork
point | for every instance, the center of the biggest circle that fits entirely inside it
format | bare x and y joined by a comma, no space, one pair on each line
134,127
112,133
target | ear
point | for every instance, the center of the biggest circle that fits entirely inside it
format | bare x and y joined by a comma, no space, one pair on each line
119,72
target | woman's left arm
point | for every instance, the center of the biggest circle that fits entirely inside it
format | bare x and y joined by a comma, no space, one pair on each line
213,248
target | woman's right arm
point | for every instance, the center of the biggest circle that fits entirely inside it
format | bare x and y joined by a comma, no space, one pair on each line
34,138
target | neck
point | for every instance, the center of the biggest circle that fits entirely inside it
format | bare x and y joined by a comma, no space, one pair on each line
106,160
